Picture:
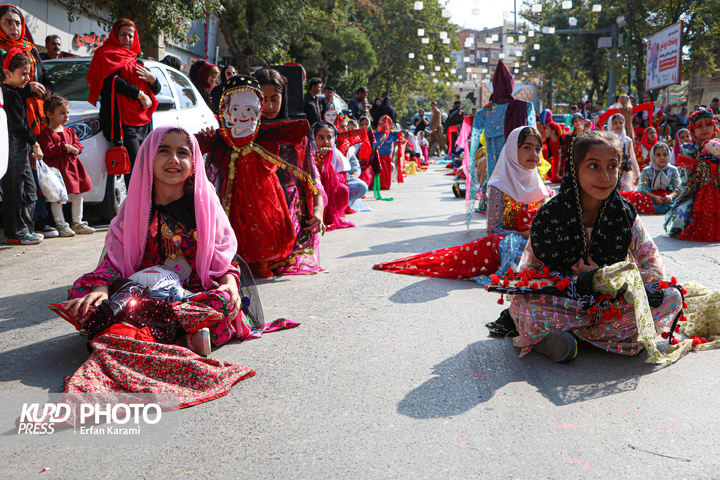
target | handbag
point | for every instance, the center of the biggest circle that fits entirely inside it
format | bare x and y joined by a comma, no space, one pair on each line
117,159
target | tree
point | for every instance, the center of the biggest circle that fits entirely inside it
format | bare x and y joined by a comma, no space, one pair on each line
643,18
172,18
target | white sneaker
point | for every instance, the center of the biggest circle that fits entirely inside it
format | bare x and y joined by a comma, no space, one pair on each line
64,230
83,228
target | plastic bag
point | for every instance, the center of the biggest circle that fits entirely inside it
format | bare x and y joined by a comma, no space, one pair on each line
51,183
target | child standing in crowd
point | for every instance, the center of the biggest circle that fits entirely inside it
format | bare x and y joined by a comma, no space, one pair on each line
551,151
659,183
629,169
567,139
572,234
62,147
385,137
424,146
18,184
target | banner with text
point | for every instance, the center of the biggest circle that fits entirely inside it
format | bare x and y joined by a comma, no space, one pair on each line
664,57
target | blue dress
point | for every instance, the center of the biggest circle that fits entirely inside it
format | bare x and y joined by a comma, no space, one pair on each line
492,122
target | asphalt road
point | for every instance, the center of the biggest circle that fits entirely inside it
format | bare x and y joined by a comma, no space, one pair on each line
388,377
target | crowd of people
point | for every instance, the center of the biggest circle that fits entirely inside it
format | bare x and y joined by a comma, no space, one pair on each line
207,212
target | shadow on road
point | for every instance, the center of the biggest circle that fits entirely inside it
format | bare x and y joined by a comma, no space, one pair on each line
430,289
419,244
434,221
472,377
28,309
44,364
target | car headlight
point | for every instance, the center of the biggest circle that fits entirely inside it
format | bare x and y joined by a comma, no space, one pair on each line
86,128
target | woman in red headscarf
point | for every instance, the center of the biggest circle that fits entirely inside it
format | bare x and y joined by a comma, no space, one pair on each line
135,89
14,34
205,80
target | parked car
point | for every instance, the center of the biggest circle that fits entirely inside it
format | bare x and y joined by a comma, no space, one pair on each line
179,103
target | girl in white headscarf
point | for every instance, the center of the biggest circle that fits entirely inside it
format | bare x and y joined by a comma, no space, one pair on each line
629,168
515,193
659,183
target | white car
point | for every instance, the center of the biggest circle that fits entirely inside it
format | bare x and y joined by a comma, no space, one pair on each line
179,104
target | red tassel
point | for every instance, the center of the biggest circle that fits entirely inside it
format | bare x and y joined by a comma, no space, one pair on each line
501,300
665,335
674,280
675,341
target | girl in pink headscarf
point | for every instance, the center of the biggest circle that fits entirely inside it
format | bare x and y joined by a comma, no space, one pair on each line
171,221
171,217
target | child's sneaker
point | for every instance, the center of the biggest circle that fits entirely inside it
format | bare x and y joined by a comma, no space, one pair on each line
46,230
82,228
38,235
26,239
64,230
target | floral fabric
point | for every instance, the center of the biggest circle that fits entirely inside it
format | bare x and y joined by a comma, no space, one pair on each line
121,364
536,316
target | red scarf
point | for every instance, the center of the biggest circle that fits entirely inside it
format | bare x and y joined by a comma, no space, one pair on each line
348,138
646,142
34,105
112,57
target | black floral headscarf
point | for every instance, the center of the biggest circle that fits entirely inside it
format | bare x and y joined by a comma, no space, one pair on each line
558,234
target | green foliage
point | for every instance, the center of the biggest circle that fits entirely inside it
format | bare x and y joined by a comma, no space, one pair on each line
347,44
153,17
577,67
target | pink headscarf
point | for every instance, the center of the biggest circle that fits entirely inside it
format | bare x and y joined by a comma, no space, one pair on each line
127,236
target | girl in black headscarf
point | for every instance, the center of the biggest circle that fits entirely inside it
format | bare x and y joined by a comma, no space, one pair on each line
588,230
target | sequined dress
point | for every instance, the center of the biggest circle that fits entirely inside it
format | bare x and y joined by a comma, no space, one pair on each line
536,316
119,360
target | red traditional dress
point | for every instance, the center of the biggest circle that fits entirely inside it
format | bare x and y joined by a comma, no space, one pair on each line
338,192
252,195
134,351
73,172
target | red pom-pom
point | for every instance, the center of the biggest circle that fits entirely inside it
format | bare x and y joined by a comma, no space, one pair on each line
677,329
674,280
675,341
501,300
494,279
535,286
546,271
543,284
506,282
511,274
665,335
683,290
663,284
703,339
696,341
684,304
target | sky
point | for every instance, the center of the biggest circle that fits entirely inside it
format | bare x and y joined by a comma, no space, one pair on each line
491,12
